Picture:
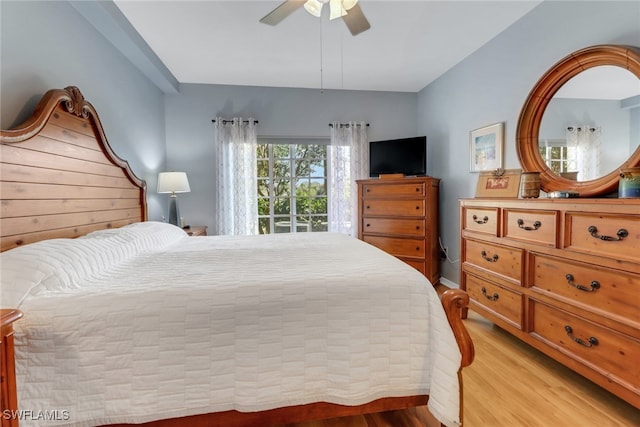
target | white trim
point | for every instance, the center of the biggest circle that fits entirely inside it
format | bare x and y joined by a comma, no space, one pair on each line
449,284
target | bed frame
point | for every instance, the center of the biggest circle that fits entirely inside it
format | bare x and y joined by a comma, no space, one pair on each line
60,178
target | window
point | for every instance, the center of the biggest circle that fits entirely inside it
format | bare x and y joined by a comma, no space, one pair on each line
558,156
292,185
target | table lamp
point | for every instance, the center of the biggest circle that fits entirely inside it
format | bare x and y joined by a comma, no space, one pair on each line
173,182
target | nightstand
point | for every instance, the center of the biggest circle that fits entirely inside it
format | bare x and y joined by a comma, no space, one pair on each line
9,404
196,230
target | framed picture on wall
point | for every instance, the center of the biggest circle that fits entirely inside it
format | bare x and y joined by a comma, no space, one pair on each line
485,148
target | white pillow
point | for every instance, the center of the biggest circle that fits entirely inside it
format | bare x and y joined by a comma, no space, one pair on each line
145,235
63,263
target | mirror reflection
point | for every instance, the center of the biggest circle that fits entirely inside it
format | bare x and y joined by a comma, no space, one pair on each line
592,124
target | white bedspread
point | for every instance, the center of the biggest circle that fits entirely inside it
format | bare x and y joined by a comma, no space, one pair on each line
147,323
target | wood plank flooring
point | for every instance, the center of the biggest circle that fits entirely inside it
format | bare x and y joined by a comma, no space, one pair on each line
511,384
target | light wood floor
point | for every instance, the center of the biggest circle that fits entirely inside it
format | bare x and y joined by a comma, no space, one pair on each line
510,384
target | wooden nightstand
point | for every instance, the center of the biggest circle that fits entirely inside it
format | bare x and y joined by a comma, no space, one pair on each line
9,402
196,230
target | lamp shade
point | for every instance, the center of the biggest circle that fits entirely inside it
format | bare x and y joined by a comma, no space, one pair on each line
173,182
336,9
314,7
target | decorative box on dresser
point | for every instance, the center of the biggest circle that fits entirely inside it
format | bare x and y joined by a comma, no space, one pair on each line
562,275
400,216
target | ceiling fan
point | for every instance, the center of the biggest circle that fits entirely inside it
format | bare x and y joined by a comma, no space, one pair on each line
348,10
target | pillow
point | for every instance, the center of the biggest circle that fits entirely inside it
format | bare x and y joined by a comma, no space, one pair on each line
63,263
144,235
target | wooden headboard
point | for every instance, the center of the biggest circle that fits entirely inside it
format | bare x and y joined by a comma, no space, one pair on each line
60,178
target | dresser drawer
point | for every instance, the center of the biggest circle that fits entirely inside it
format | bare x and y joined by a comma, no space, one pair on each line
612,236
393,207
398,246
407,227
393,190
612,292
501,260
602,349
501,301
540,227
481,220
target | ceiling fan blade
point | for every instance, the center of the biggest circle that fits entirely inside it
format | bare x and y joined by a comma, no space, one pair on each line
279,13
356,21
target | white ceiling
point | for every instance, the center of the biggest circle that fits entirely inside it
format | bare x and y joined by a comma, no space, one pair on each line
410,43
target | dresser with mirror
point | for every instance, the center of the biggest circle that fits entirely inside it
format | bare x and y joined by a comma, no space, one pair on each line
563,274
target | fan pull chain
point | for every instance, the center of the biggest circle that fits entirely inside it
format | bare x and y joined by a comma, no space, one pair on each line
341,61
321,77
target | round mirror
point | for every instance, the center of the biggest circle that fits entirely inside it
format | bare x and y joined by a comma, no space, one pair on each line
581,122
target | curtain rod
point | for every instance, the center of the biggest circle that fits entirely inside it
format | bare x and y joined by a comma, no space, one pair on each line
570,129
225,121
342,125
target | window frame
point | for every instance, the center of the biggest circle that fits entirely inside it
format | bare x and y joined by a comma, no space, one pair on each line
565,158
292,218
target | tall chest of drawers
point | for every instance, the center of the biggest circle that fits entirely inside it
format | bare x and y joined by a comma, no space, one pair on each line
562,275
400,216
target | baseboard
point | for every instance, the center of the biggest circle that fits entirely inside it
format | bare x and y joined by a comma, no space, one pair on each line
449,284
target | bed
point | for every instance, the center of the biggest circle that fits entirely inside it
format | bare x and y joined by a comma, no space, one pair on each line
129,321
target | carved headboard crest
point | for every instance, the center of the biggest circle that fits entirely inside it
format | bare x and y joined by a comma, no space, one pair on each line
72,100
77,104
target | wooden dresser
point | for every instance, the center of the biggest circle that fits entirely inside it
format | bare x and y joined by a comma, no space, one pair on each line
400,216
562,275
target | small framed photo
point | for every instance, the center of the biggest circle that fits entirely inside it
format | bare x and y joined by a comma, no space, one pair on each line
485,148
499,183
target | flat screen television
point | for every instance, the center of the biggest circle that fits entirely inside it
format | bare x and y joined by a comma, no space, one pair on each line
407,156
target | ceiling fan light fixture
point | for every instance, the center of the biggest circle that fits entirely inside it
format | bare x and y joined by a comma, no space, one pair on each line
314,7
336,9
348,4
348,10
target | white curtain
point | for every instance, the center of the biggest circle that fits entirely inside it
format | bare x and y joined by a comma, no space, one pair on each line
236,173
585,141
348,161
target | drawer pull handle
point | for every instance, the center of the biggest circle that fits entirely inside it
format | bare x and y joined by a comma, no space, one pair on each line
595,285
494,258
417,248
417,227
368,225
417,189
588,343
480,221
622,233
493,297
536,225
368,207
417,208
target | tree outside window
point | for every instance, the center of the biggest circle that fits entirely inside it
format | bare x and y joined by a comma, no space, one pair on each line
292,187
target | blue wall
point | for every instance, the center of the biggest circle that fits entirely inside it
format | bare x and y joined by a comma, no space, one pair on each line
49,45
491,85
280,112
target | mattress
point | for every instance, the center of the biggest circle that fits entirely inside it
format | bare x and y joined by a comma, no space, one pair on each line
144,323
